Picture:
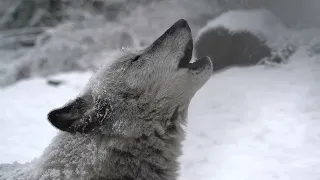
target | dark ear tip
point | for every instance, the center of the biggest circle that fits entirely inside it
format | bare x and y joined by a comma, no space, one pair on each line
52,115
67,124
55,115
57,120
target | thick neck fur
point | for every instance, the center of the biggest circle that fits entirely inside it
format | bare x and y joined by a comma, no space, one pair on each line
147,150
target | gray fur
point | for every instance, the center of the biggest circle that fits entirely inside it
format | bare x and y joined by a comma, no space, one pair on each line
127,123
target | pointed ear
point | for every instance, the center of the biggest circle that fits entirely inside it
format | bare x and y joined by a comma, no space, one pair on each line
73,117
83,115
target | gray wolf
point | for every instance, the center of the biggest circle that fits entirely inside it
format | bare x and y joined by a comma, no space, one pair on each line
127,123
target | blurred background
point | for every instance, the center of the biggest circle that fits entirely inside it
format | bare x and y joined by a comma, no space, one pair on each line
44,37
250,123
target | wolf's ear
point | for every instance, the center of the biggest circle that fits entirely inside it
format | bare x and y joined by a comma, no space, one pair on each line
73,117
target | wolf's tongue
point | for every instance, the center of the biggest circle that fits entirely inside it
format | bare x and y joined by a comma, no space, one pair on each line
185,60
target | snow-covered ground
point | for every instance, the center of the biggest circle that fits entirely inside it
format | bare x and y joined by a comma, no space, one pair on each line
257,123
24,129
245,123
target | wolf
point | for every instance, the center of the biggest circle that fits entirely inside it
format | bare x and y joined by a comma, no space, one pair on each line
127,123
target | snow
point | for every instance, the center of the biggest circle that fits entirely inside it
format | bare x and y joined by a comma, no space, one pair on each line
260,22
256,123
246,123
24,130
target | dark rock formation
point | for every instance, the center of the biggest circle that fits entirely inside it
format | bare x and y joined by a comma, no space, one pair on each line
228,48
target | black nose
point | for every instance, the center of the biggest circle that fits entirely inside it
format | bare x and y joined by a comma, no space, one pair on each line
181,23
179,28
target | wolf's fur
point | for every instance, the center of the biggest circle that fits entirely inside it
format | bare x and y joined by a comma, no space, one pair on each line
127,123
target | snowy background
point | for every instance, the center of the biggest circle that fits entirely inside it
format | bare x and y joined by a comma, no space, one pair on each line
249,123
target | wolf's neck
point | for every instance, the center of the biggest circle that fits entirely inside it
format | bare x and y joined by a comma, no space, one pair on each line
69,156
152,157
97,156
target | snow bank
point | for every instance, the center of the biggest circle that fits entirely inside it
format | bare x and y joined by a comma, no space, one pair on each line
259,22
244,38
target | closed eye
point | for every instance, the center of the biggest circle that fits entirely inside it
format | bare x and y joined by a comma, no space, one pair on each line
135,59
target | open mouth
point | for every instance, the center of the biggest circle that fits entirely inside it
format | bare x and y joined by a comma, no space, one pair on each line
179,37
184,62
199,64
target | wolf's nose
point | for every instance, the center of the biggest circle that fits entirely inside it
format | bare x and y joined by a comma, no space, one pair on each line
182,23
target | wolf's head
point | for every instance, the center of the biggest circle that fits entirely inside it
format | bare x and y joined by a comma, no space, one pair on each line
139,91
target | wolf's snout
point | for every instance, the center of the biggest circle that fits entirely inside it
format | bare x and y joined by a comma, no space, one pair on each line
182,23
178,32
177,27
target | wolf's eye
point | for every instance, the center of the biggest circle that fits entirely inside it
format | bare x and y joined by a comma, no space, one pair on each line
135,59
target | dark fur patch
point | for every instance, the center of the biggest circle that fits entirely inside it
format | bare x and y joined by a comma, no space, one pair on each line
75,117
135,59
172,128
123,154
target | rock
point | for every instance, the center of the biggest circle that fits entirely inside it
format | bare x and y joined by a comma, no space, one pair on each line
55,83
227,48
241,38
